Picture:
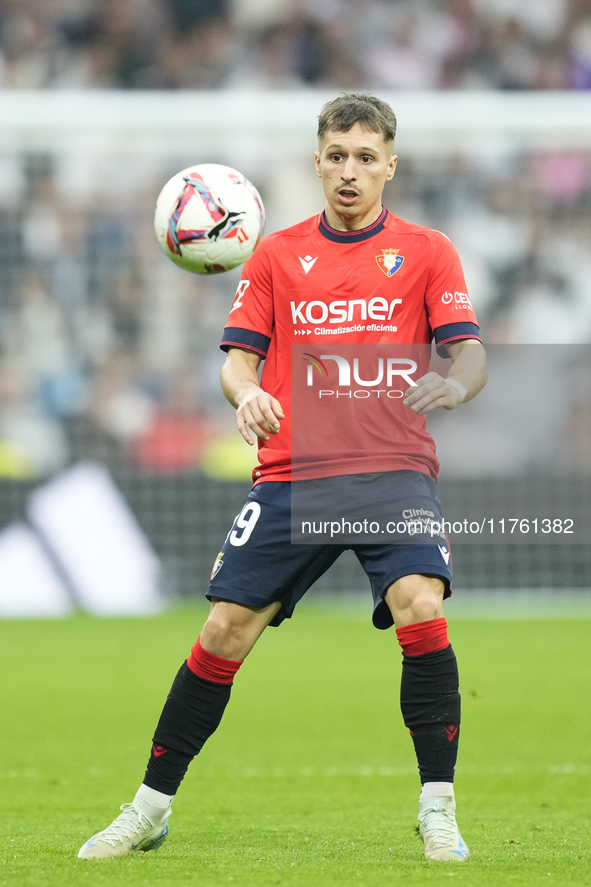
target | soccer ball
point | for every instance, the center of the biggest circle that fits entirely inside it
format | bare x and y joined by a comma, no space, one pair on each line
209,218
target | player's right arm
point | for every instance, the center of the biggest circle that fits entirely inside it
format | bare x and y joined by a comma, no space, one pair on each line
256,410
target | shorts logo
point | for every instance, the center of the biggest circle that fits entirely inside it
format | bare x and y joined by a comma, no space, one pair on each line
444,553
217,565
389,262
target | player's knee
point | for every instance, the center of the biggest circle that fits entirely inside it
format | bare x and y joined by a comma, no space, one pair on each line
415,598
425,605
226,632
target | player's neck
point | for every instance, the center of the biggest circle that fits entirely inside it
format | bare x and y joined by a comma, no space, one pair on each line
348,222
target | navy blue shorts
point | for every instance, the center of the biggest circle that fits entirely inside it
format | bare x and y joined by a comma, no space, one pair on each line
258,564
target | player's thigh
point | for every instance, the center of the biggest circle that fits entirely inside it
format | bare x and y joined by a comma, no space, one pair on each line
415,598
394,567
258,566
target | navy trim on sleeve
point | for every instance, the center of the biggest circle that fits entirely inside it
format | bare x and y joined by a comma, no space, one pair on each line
251,341
454,332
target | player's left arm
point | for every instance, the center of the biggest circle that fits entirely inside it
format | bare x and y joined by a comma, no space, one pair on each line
467,374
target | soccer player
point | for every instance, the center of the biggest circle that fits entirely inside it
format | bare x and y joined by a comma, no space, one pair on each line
354,262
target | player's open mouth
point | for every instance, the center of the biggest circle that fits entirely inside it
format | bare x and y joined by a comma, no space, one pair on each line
348,195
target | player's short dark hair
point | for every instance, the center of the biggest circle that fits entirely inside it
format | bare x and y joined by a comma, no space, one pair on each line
342,113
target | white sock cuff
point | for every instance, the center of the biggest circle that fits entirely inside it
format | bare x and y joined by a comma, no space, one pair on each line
158,799
437,790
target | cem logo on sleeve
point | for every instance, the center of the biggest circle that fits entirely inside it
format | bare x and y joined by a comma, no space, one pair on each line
460,300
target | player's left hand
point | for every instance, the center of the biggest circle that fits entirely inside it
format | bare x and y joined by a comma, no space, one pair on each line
430,392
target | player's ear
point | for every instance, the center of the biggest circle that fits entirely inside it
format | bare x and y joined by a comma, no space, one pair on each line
392,163
317,161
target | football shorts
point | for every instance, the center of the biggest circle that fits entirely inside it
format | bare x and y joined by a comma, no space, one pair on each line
259,565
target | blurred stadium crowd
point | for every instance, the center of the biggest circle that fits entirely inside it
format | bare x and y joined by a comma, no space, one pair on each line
283,44
107,350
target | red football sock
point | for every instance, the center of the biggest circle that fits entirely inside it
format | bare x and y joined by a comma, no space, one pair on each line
423,637
210,667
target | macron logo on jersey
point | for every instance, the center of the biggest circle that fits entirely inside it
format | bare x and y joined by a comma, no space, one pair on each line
307,263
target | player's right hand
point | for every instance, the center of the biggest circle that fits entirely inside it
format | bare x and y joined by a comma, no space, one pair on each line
259,412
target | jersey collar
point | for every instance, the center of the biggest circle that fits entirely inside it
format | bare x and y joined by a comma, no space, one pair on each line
353,236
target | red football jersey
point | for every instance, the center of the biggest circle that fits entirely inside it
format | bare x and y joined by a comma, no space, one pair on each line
390,283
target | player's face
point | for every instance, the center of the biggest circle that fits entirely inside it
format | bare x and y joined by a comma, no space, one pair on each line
354,167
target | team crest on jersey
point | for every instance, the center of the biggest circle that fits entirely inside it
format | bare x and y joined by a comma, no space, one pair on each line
217,565
390,261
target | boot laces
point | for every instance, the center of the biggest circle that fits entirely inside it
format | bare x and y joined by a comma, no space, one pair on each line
438,826
126,826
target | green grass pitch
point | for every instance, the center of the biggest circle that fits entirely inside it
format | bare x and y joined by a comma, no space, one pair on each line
311,778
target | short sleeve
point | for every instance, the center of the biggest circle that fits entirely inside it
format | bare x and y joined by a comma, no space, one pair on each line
251,319
451,316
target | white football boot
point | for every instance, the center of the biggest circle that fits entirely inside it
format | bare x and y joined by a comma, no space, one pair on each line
439,830
140,826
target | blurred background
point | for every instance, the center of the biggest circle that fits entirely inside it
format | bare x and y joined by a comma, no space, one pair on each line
109,353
